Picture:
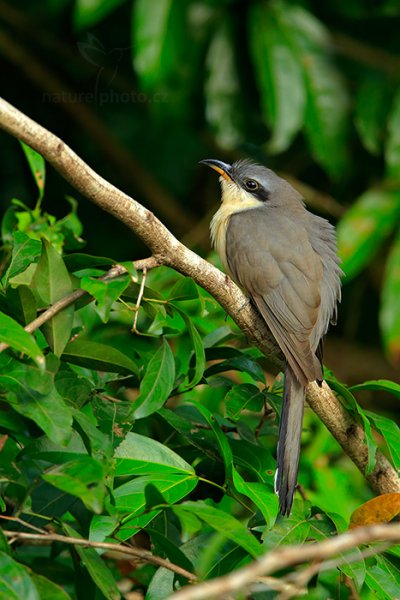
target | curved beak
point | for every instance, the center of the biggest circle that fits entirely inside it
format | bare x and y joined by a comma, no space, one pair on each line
222,168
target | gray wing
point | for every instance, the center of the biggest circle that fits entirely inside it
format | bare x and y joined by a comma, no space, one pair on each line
272,258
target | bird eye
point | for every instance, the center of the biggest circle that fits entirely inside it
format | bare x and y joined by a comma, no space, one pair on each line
251,185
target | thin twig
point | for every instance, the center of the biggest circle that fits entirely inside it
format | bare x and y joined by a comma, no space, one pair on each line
285,557
139,299
57,307
140,553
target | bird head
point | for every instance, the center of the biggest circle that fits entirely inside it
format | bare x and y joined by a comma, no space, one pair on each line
247,184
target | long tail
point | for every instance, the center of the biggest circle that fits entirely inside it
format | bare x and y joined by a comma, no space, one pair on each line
289,441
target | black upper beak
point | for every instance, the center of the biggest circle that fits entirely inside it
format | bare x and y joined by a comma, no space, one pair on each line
222,168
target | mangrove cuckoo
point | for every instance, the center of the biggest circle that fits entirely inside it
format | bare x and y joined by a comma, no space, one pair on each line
285,259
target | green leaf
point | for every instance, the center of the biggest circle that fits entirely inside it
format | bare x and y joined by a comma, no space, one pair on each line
31,392
86,14
37,166
78,261
327,103
224,523
25,251
48,590
184,289
278,72
22,302
382,583
52,282
392,153
389,313
371,109
222,88
238,363
141,455
199,352
156,34
263,498
13,334
390,432
130,497
378,384
223,444
102,357
96,567
352,404
364,227
15,583
243,396
106,292
157,383
82,478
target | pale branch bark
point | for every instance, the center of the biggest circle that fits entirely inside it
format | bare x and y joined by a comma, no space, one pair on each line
284,557
167,250
125,549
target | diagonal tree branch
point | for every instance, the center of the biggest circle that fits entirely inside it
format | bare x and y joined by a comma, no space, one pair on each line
125,549
167,250
288,556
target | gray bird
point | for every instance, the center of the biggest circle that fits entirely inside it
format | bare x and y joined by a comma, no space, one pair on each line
285,258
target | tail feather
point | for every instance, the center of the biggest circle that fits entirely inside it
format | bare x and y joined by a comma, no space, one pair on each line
289,441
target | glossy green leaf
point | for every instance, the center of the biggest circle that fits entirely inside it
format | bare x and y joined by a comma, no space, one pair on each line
278,72
364,227
378,384
224,523
390,432
263,497
238,363
82,478
354,569
106,292
78,261
256,460
13,334
102,526
98,444
222,441
198,347
295,529
15,583
384,584
52,282
25,251
243,396
351,403
392,153
48,590
184,289
157,383
96,567
130,497
389,311
31,392
37,166
141,455
22,302
94,355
